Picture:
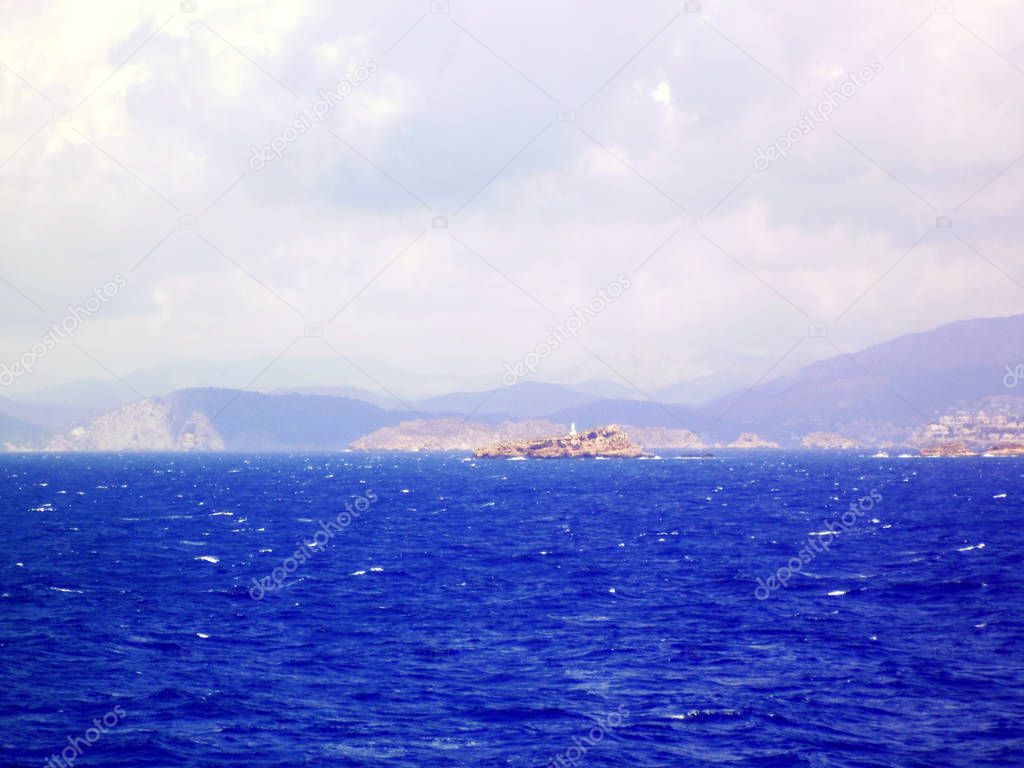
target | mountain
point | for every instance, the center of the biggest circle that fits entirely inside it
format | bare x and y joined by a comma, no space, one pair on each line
524,400
882,391
47,417
232,420
884,394
602,389
379,398
16,433
86,396
153,424
639,413
736,374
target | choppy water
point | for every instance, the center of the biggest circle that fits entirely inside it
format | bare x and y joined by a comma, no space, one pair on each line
510,613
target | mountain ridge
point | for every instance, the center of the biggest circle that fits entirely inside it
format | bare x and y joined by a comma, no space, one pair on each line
879,395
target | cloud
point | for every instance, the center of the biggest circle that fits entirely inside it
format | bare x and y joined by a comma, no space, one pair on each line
662,93
462,121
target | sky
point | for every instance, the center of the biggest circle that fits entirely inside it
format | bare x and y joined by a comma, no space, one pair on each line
491,168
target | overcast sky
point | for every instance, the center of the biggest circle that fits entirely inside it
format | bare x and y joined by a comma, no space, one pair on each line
122,121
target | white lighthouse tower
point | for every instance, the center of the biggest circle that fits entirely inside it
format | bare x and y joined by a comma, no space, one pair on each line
572,431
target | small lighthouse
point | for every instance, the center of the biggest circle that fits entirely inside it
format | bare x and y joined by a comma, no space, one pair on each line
572,431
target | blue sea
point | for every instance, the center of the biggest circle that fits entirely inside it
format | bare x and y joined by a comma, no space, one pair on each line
433,610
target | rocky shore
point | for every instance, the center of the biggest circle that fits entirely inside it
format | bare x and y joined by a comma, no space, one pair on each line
452,434
1006,450
947,449
600,442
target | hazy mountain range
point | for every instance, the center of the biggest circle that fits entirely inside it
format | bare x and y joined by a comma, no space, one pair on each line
880,394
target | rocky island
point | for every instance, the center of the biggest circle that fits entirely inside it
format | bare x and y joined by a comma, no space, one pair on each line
946,450
451,434
750,440
600,442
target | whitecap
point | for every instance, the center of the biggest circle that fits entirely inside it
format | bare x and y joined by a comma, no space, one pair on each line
207,559
376,569
838,592
705,713
202,635
358,573
62,589
999,496
220,514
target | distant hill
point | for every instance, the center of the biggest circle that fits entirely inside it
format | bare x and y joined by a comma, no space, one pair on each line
254,421
524,400
602,389
885,388
883,394
233,420
639,413
379,398
17,433
93,396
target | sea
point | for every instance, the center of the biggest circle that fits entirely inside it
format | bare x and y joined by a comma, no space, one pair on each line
749,609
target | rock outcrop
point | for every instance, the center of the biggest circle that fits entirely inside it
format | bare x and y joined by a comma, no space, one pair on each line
605,442
153,424
1010,449
451,435
829,441
947,449
750,440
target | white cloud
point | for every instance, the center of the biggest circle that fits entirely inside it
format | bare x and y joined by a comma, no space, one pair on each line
461,119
